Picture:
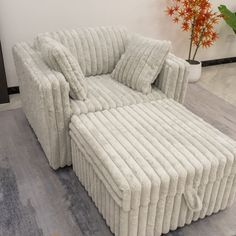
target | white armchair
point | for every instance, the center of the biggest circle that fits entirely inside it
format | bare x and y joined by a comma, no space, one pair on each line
45,92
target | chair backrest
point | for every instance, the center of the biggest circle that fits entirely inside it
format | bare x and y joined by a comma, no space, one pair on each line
97,49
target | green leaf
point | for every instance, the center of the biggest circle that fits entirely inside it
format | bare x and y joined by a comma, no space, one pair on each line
229,16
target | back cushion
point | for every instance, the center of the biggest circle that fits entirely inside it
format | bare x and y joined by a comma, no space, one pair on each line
97,49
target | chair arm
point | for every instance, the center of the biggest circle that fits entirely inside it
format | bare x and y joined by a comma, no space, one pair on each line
45,100
173,78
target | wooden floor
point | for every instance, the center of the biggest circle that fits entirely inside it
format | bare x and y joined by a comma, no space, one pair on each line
35,200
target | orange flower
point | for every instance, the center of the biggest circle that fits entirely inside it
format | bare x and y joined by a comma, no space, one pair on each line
189,10
176,7
170,11
176,19
181,13
185,26
214,36
207,43
207,33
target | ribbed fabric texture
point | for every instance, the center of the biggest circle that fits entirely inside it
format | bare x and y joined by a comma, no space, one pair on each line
173,79
157,161
105,93
141,63
97,49
59,58
45,92
45,100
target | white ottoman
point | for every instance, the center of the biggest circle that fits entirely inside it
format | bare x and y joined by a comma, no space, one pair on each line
152,167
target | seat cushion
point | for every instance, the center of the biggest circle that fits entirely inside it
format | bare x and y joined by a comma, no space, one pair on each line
141,63
105,93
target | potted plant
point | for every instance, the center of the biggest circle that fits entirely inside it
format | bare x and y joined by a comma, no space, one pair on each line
198,18
229,17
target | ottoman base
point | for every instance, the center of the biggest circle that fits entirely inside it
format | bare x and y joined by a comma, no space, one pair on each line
151,168
116,218
215,196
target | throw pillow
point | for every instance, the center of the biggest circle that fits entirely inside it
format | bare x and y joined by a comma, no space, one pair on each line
141,63
59,58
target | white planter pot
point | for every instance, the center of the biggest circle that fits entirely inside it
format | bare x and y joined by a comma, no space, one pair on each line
195,71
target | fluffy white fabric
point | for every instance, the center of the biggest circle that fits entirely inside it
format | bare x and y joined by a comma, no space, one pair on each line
105,93
60,59
45,92
153,167
141,63
96,49
45,99
173,79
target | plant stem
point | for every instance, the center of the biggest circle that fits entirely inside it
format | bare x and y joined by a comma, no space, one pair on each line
195,53
191,40
199,43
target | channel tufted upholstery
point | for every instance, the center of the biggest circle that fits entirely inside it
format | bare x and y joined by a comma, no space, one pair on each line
46,103
45,92
152,167
148,163
105,93
59,58
97,49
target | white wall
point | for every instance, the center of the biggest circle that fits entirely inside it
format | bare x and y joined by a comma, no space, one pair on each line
22,20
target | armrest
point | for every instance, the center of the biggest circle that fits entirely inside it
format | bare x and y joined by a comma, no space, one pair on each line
173,78
45,100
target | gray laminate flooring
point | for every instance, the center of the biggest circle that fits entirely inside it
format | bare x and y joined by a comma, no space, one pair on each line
37,201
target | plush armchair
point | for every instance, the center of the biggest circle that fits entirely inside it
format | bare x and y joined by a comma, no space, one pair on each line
45,92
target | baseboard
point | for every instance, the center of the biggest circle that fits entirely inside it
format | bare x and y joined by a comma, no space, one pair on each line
13,90
218,61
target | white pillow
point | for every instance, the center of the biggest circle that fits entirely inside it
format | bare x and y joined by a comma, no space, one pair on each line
59,58
141,63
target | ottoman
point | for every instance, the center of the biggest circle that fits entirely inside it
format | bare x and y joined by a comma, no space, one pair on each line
152,167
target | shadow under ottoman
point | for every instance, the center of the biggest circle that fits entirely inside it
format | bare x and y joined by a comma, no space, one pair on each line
152,167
